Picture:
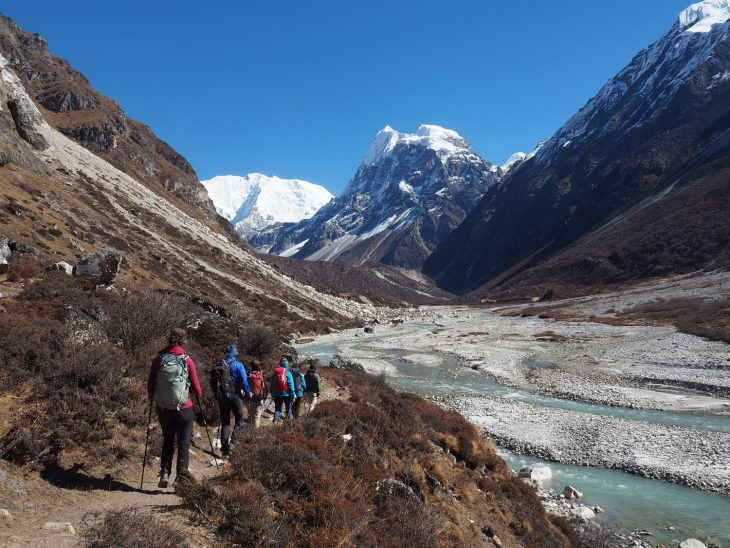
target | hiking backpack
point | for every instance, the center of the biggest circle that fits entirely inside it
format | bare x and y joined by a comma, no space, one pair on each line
221,382
281,384
257,385
312,382
172,388
298,384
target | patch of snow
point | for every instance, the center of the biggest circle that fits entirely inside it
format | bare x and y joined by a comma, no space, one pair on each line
702,16
293,250
445,141
516,158
405,187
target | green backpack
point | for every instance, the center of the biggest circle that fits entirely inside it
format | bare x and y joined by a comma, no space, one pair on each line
173,386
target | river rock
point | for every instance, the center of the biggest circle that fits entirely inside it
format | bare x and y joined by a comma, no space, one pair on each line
61,266
339,362
571,492
369,330
583,513
692,543
101,268
536,473
60,526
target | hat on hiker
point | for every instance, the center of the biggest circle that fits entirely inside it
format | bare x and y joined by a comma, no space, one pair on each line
231,350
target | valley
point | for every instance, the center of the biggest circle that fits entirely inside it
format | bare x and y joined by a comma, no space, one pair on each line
585,392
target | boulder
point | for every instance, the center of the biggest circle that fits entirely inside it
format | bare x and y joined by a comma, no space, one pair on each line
101,268
571,492
61,266
4,253
23,249
583,513
339,362
5,515
60,526
394,488
692,543
370,330
536,473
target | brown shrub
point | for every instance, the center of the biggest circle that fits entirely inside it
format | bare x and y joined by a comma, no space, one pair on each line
129,528
23,269
258,341
138,320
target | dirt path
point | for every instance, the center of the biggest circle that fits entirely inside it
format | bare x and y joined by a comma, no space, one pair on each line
33,501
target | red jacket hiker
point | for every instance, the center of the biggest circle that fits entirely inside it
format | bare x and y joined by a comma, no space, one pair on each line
177,350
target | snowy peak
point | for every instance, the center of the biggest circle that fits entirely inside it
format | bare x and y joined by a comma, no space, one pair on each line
427,136
256,201
702,16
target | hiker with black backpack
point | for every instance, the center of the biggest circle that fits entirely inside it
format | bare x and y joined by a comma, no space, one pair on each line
300,385
172,375
282,390
311,394
229,383
259,393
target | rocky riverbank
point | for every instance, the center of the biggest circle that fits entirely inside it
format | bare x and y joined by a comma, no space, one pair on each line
690,457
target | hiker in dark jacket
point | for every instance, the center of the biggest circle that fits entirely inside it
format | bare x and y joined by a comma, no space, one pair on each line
259,393
177,420
234,402
282,390
311,395
300,385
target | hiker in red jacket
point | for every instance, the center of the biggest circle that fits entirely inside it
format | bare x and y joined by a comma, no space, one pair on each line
172,376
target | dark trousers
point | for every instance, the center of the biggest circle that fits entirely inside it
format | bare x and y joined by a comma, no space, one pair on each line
235,406
279,402
296,407
176,426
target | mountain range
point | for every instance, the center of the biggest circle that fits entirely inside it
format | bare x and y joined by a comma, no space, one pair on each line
409,193
634,185
258,205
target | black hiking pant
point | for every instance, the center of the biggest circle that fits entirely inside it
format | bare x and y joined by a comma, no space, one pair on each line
235,406
176,426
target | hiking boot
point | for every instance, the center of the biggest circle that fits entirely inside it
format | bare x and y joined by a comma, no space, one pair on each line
184,476
164,480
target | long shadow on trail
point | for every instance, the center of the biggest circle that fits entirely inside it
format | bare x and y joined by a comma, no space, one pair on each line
75,478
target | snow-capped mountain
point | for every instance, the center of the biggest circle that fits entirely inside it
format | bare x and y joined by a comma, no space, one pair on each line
256,204
638,145
409,193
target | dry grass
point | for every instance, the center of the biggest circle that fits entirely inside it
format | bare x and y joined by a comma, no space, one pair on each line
129,528
409,476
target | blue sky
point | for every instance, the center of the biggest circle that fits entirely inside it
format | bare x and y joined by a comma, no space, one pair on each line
299,89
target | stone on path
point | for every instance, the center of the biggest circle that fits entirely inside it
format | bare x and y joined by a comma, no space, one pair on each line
4,514
692,543
60,526
571,492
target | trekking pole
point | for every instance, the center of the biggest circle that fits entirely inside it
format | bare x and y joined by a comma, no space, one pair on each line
210,441
146,441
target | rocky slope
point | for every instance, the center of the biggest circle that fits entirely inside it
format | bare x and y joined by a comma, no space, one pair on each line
408,194
68,103
631,186
65,201
258,205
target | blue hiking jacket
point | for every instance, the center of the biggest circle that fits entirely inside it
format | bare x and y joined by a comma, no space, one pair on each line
300,393
289,381
238,376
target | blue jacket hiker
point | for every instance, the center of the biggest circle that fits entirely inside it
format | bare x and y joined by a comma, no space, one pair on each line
282,389
229,393
300,386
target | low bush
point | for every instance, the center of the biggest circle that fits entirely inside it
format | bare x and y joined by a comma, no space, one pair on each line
23,269
258,341
129,528
372,471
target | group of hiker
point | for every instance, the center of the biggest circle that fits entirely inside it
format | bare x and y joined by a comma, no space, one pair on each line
173,376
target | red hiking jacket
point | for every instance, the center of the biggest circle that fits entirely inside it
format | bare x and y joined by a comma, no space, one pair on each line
192,374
